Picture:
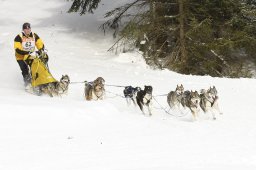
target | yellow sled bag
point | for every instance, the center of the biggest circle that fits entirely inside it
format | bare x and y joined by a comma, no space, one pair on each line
40,73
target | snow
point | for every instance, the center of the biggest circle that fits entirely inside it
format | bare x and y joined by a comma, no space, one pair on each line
69,133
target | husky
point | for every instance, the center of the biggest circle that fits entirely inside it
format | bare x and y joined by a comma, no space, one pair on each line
56,88
191,100
95,90
99,80
144,98
130,94
174,97
62,85
209,101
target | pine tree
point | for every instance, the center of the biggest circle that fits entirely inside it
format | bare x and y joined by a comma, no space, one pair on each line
214,37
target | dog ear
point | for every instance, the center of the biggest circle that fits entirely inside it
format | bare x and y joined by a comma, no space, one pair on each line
182,87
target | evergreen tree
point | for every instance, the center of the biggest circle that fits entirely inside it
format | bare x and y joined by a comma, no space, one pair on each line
214,37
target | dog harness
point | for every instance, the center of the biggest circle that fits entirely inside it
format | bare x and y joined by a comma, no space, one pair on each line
129,91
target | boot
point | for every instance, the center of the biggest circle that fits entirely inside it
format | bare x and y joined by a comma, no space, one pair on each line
27,80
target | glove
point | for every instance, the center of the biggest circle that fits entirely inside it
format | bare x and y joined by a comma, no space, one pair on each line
31,51
33,54
41,53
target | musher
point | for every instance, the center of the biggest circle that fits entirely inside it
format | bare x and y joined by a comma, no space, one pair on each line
25,44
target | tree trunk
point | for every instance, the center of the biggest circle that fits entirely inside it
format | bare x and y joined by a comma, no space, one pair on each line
152,11
182,32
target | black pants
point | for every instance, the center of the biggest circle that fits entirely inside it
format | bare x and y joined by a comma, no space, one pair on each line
24,71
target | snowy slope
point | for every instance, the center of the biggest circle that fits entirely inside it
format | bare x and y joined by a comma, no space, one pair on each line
68,133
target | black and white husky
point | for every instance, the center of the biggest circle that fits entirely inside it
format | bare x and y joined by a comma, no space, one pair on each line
209,101
130,94
144,99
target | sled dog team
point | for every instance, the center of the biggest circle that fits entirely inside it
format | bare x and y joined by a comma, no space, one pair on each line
206,100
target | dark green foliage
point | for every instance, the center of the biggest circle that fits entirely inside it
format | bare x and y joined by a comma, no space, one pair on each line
84,6
250,2
203,37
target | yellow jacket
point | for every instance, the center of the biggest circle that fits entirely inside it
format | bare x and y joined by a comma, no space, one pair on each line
21,41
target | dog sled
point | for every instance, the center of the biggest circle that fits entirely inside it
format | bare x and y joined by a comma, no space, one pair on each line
42,80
